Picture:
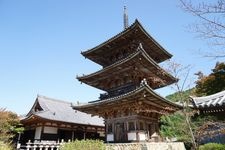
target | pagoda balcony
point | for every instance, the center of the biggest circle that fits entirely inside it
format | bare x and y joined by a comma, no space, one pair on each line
118,91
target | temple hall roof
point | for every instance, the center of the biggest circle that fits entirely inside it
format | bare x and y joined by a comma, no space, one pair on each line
144,93
60,111
212,101
141,61
135,32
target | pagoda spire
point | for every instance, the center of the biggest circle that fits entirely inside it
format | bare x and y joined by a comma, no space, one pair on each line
125,18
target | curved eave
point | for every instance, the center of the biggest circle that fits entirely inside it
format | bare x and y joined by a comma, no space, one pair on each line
136,55
144,87
32,108
136,24
211,101
154,41
30,118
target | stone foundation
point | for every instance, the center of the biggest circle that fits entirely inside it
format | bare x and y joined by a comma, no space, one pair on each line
147,146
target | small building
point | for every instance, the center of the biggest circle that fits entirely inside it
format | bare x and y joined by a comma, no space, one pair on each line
130,73
53,120
212,105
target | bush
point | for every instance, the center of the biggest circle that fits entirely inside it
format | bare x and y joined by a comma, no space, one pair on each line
9,125
4,146
212,146
84,144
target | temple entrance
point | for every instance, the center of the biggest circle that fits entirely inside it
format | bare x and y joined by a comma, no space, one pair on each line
79,134
27,135
65,134
119,134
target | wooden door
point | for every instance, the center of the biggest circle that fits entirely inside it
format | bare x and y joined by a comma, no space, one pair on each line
119,132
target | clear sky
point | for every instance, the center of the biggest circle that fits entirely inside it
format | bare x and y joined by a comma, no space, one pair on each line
41,41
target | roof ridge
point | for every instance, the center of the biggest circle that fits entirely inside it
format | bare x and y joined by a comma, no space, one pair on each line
149,36
217,99
143,85
116,63
52,99
140,47
209,96
112,38
139,50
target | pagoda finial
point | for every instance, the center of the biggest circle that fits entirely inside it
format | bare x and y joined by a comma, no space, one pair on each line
125,18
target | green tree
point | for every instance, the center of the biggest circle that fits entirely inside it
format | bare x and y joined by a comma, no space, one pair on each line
175,97
174,126
182,73
213,83
9,125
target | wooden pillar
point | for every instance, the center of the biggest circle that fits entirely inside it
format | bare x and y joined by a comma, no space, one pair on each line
72,138
106,131
135,126
85,133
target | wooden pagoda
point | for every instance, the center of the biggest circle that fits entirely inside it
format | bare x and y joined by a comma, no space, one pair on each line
130,74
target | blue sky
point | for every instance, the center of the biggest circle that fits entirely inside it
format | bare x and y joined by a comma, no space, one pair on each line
41,41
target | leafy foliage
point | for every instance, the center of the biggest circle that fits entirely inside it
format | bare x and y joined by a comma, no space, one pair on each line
212,146
173,126
175,97
213,83
4,146
84,144
176,125
202,126
9,125
182,72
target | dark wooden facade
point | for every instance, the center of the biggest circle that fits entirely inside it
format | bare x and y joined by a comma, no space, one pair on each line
130,73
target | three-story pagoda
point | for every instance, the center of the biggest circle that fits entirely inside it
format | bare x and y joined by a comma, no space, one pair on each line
130,74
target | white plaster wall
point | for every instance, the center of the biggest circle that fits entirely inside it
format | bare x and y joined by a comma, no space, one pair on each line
101,133
110,138
142,136
50,130
131,136
154,134
37,135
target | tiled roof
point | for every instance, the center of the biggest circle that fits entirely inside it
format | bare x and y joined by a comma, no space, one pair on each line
140,51
143,86
214,100
160,49
57,110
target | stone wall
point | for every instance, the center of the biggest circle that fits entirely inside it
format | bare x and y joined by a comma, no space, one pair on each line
147,146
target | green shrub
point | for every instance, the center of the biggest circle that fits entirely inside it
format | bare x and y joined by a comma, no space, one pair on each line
5,146
84,145
212,146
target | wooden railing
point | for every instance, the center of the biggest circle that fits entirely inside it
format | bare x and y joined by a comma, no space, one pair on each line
42,145
118,91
